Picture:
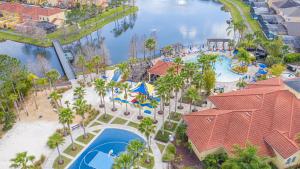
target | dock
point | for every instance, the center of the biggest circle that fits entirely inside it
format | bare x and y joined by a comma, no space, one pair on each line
66,66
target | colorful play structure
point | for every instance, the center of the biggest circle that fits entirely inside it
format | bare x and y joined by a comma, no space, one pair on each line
141,88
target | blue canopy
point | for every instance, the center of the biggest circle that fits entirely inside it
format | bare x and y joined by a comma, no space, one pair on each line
261,65
262,72
142,88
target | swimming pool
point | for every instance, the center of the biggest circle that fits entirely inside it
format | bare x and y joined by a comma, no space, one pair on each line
96,155
222,69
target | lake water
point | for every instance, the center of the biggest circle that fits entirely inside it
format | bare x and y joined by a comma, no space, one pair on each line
170,21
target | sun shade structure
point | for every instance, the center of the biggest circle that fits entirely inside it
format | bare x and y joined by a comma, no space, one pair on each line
143,88
265,113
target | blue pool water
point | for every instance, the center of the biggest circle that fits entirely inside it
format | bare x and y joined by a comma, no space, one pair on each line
222,69
95,156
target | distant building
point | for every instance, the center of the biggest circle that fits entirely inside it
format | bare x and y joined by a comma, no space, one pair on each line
33,13
266,114
67,3
160,68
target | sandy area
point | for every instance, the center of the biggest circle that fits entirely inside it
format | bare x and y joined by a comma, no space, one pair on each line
26,136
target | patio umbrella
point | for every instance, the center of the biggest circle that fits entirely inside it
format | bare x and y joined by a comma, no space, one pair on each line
262,72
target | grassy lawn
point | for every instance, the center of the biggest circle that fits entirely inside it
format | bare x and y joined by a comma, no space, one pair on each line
170,126
87,140
175,116
119,120
163,137
88,26
97,131
143,163
71,152
161,147
105,120
133,124
95,124
61,166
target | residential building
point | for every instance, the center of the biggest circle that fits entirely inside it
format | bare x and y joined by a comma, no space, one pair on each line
280,6
33,13
266,114
293,42
66,3
160,68
291,14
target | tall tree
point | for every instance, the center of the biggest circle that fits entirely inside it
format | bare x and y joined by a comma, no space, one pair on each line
80,106
66,116
111,85
124,161
53,75
55,141
56,98
193,96
150,45
147,128
23,161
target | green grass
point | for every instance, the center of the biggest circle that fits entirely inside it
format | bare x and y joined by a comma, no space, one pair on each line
61,166
143,163
119,120
97,131
95,124
133,124
161,147
175,116
163,137
87,140
71,152
170,126
106,17
105,120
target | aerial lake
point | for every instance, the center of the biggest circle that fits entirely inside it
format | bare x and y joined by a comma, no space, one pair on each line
189,22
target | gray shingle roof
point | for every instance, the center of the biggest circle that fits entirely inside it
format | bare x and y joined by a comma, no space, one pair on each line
286,4
294,84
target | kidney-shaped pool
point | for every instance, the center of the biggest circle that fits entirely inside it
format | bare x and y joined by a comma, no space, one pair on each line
101,152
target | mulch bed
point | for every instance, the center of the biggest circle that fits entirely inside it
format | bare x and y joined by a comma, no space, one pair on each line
188,159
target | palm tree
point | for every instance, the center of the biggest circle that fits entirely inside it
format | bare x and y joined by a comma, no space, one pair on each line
14,99
66,116
56,98
124,161
53,142
43,82
23,161
111,85
177,84
178,63
125,87
81,62
79,92
33,79
243,56
193,96
150,45
80,107
135,147
154,103
53,75
124,69
231,45
140,98
147,128
100,88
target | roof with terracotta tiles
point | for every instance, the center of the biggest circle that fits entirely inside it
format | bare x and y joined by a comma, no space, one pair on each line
30,11
252,114
160,68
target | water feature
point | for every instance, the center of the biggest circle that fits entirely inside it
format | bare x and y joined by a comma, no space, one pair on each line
171,21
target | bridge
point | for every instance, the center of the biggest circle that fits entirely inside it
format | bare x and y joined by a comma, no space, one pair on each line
63,60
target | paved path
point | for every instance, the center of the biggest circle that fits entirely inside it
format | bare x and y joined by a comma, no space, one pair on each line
249,29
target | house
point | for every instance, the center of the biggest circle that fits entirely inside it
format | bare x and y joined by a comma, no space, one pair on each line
160,68
272,31
66,3
279,6
293,28
270,19
259,5
292,41
266,114
255,12
33,13
291,14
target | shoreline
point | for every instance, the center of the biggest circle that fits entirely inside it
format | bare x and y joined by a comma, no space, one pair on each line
7,35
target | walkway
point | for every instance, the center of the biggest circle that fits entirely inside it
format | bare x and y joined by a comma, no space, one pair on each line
63,60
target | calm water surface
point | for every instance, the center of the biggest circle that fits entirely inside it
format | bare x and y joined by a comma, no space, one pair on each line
170,21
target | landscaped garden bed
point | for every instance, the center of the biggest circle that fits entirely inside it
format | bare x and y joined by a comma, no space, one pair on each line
85,140
61,166
71,152
175,116
163,137
170,126
119,120
133,124
106,119
144,164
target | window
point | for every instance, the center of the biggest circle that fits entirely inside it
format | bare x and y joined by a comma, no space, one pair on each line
288,161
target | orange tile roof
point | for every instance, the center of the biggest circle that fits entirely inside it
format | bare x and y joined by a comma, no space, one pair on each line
248,115
28,10
160,68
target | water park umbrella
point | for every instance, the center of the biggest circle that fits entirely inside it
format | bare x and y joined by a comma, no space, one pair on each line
262,72
143,88
261,65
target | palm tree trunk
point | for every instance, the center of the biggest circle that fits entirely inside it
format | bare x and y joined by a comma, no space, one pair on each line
82,125
155,114
176,96
60,161
71,136
190,107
